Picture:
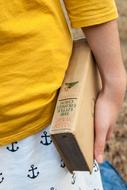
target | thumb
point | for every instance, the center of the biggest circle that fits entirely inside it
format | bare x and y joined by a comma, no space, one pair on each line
100,139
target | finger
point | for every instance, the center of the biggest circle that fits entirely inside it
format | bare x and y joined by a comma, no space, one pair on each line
100,139
110,132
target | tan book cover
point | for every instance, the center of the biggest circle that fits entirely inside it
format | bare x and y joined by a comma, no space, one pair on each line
72,126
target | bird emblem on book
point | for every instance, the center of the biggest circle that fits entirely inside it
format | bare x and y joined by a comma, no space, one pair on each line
71,84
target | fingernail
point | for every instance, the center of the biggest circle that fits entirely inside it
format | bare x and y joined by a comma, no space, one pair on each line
100,158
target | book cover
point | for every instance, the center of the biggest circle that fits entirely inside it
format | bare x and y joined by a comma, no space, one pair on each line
72,126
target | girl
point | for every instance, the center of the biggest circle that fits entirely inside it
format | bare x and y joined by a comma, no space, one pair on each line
35,47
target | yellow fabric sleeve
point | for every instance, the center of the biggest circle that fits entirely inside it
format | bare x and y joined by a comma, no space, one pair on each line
90,12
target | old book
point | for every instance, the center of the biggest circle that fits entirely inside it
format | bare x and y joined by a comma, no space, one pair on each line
72,126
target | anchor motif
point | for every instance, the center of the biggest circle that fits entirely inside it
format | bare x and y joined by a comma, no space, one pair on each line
13,147
73,178
46,137
33,172
62,163
52,188
96,167
1,178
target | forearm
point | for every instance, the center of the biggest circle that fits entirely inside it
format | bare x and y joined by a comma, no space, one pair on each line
104,42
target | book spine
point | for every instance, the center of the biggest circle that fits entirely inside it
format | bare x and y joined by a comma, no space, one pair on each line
65,111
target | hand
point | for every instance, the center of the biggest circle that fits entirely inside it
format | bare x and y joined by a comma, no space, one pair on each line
104,42
107,107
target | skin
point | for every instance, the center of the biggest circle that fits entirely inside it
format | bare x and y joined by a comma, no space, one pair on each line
104,42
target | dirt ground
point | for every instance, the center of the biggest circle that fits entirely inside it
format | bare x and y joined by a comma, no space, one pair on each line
116,148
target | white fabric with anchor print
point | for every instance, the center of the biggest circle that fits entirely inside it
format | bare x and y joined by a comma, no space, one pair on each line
34,164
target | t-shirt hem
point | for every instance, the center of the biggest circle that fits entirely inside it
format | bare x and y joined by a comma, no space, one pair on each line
24,134
94,21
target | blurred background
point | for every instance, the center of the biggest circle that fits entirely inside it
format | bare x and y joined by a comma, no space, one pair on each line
116,148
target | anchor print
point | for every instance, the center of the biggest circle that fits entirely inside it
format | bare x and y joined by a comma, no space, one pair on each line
46,137
33,172
96,167
52,188
73,178
62,163
13,148
1,180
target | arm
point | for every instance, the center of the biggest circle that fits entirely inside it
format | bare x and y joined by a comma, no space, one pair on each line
104,42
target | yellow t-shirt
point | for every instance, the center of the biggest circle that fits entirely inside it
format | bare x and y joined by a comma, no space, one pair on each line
35,47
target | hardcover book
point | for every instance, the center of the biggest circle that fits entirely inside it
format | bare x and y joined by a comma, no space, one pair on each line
72,126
